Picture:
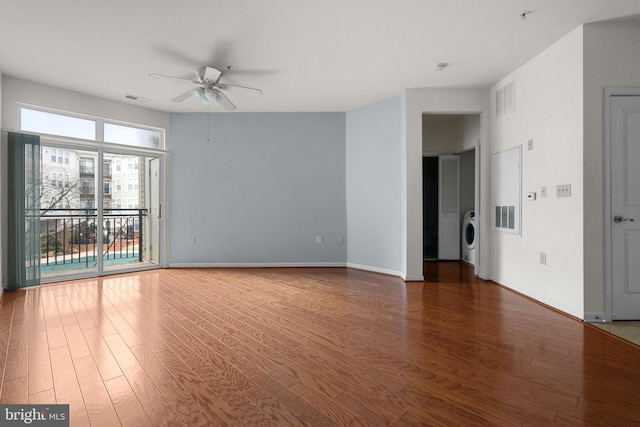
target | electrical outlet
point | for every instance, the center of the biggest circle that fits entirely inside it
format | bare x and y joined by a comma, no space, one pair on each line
543,258
530,144
318,239
340,240
543,191
563,190
192,240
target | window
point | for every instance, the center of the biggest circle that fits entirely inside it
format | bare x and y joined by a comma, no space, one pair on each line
86,166
106,186
118,165
75,126
86,186
59,156
118,185
133,163
130,135
106,167
57,124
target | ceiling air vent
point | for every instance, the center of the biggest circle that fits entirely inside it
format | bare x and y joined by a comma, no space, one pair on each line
137,98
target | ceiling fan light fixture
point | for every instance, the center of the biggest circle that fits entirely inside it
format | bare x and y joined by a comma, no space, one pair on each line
209,94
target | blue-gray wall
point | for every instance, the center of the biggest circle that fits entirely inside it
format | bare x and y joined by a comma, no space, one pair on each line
374,186
260,192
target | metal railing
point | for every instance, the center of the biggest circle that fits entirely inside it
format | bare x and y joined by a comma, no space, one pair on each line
69,237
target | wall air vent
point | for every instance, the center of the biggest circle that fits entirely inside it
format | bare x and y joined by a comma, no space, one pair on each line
505,99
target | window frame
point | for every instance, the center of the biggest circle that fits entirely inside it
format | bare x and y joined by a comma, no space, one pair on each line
100,123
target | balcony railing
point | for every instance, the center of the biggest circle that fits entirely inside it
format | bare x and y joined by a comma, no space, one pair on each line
69,238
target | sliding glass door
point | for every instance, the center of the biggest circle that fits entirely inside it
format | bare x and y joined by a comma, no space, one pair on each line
68,215
130,211
96,211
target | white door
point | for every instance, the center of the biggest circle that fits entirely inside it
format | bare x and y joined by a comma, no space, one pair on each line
449,207
625,207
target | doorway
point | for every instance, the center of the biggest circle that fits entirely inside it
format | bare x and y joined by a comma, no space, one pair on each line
622,203
448,137
430,208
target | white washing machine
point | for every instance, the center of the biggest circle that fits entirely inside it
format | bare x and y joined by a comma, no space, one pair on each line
469,237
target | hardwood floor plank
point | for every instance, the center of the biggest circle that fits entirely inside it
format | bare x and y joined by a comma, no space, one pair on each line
187,408
43,398
67,388
161,414
138,379
76,341
209,402
17,362
102,356
309,346
65,310
128,408
99,407
15,391
40,377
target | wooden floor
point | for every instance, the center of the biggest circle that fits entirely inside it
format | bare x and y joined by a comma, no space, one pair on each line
315,347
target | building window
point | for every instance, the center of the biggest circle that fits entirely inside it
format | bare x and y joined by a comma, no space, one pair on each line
59,156
86,166
133,163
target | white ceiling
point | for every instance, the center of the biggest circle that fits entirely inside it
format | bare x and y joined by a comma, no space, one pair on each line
322,55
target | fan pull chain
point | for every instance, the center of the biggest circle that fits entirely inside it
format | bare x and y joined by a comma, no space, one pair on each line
208,124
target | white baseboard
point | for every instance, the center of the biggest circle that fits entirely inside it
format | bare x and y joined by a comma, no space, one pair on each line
254,264
572,311
375,269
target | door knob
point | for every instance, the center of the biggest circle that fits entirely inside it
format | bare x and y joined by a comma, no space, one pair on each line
618,219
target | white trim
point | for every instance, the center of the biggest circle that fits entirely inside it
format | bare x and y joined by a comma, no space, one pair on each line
254,264
543,299
375,269
609,92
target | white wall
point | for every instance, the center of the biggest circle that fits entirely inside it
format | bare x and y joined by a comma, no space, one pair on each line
23,91
470,131
441,133
611,58
260,192
454,101
548,110
2,225
373,187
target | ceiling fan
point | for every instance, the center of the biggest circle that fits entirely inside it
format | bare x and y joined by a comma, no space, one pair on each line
209,87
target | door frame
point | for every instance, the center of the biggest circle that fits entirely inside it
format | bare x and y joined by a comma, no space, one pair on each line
100,149
609,93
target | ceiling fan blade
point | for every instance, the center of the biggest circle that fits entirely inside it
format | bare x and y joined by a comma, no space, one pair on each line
222,99
171,77
211,74
182,97
223,85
